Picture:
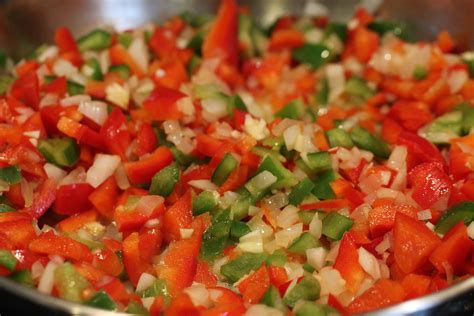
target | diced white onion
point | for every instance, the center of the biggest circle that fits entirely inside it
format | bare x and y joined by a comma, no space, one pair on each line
145,281
263,310
118,94
186,232
75,100
285,236
36,269
213,109
147,302
95,110
54,172
251,242
288,216
331,281
456,80
27,191
203,185
336,81
148,203
369,263
121,178
64,68
384,245
139,52
316,257
257,128
470,230
424,215
316,226
103,167
262,181
199,295
46,281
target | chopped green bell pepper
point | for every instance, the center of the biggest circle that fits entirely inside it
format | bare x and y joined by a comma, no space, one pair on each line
96,40
24,277
335,225
8,260
74,88
314,55
305,308
164,181
285,177
307,289
136,309
224,169
365,140
63,152
216,236
359,88
94,69
420,73
303,242
5,82
246,262
273,299
338,137
4,208
322,185
319,161
463,211
158,288
206,201
125,39
239,229
293,110
69,282
10,174
300,191
101,300
122,70
278,258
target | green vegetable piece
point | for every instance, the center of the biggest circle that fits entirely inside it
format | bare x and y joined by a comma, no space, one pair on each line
24,277
74,88
96,40
305,308
335,225
164,181
303,242
443,128
10,174
463,211
224,169
206,201
235,102
319,161
193,64
468,59
358,87
322,91
4,208
365,140
239,229
195,20
420,73
278,258
314,55
195,43
322,185
63,152
136,308
397,28
309,268
122,70
300,191
273,299
293,110
158,288
240,208
340,29
92,67
125,39
69,283
307,289
101,300
181,158
7,260
245,35
5,82
306,217
246,262
338,137
285,177
467,111
216,236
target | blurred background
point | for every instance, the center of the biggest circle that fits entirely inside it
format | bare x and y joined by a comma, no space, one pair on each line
25,24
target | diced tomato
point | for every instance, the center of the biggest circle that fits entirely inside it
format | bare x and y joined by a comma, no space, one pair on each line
413,242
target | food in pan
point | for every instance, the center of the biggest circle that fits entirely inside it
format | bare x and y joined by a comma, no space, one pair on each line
208,166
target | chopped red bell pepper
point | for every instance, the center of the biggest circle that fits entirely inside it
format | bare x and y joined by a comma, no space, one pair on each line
413,242
131,258
73,198
105,197
26,89
430,184
142,171
146,140
115,134
416,285
222,40
383,293
75,222
50,244
18,233
382,218
43,200
347,263
179,215
181,305
107,261
161,104
421,148
204,275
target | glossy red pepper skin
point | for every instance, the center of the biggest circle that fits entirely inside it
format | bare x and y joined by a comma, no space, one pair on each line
115,133
43,200
73,198
161,104
142,171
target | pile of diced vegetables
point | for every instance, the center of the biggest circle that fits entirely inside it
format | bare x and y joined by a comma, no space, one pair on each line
207,166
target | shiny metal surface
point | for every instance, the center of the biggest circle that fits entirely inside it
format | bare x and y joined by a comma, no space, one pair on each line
24,24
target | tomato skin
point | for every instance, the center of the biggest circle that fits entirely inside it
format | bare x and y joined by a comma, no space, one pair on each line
430,184
413,242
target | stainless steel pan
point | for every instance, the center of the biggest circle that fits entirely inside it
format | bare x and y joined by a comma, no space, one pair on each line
25,24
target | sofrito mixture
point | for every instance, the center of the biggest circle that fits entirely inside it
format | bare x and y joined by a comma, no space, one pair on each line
208,166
